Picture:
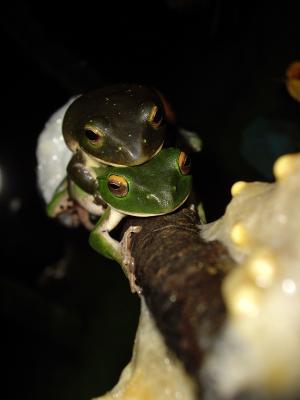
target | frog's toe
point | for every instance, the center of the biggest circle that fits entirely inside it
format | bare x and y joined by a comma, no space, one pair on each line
69,218
85,217
128,260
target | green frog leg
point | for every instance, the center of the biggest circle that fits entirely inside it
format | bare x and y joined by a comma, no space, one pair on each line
60,201
100,239
201,213
103,243
72,206
61,206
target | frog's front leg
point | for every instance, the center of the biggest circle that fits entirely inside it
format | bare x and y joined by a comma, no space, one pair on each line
100,239
81,174
201,213
103,243
189,140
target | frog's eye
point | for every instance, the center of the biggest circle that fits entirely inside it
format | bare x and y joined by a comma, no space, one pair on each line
92,134
184,162
156,117
117,185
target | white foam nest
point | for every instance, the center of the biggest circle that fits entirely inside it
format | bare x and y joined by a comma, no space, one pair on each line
259,348
52,154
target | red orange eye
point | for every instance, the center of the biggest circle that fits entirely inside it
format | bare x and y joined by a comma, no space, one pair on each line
117,185
156,117
92,134
184,162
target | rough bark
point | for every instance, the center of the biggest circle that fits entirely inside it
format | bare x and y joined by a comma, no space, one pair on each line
180,275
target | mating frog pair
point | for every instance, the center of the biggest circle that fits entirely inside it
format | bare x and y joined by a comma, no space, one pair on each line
119,166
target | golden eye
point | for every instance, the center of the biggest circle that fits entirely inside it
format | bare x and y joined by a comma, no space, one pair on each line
156,117
117,185
184,162
93,135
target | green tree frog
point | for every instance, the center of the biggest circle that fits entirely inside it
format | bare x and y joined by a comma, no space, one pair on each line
157,187
121,125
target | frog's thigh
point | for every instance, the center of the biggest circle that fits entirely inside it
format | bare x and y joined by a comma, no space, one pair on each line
101,241
60,201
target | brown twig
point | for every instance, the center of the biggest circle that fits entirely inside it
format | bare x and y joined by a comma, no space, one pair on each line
180,276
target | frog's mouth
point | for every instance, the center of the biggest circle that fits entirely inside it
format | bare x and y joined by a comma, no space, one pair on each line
142,215
98,159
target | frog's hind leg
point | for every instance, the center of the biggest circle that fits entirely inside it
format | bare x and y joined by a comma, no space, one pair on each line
68,211
62,207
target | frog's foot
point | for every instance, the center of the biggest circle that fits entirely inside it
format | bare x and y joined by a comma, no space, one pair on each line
69,219
128,260
65,205
199,210
67,213
84,217
73,215
192,207
190,140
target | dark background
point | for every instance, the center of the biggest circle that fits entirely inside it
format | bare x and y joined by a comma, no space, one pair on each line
68,329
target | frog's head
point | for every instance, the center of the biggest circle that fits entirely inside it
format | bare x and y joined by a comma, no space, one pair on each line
157,187
121,125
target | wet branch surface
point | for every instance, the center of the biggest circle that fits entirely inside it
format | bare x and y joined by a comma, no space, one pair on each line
180,276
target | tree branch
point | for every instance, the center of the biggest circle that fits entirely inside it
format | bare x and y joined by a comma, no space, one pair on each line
180,276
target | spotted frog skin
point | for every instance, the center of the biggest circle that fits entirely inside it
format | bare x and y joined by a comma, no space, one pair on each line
121,125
